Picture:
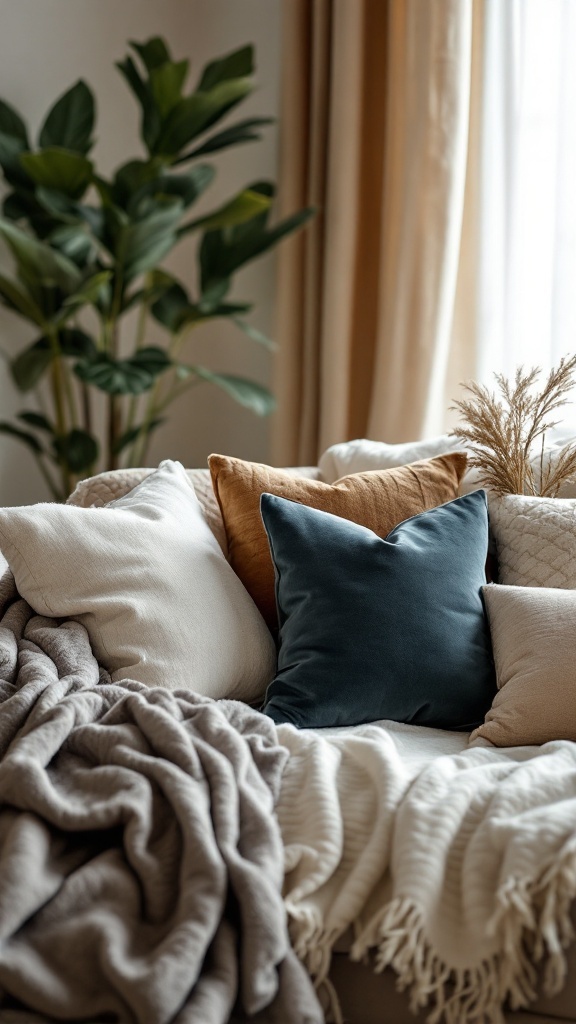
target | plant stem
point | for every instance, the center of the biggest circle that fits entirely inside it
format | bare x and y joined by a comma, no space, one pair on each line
58,391
141,444
114,430
86,407
138,344
70,396
170,397
139,447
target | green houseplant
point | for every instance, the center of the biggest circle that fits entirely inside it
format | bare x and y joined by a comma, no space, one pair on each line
88,249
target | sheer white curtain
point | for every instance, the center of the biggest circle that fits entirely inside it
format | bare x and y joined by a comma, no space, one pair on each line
527,237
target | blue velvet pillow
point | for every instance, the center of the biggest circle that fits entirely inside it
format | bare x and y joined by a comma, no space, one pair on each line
373,628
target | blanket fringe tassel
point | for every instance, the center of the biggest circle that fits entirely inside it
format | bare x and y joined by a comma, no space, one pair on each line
533,926
313,945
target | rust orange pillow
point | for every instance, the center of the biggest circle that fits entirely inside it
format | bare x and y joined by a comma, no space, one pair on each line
379,500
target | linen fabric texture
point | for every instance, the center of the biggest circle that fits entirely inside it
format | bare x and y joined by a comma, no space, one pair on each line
147,578
533,642
374,628
376,500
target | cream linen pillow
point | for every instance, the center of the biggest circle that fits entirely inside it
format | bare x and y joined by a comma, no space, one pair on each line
362,455
535,540
148,580
534,643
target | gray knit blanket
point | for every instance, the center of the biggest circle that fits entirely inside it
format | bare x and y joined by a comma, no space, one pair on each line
140,860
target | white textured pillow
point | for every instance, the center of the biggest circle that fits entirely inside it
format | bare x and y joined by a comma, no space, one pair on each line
534,642
100,490
148,580
362,455
535,540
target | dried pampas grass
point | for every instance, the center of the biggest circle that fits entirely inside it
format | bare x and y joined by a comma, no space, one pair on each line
505,431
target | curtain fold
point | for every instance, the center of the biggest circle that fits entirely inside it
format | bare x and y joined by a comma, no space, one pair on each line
374,133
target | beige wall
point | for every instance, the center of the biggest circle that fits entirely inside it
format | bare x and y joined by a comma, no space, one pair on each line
45,45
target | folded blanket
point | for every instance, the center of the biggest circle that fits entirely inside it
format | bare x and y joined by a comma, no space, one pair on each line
460,872
140,861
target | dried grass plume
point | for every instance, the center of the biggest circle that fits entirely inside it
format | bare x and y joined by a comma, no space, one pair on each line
505,431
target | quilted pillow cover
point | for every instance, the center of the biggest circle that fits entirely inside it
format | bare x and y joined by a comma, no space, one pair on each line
535,540
374,628
146,577
378,500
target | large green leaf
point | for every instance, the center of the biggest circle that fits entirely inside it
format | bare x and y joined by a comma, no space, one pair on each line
246,392
91,291
11,150
78,450
130,72
143,244
159,282
59,169
39,264
74,342
166,82
233,136
255,334
174,311
153,53
12,124
130,178
213,293
172,308
187,186
74,241
196,113
124,376
242,207
61,207
20,301
30,365
151,121
237,64
224,252
16,206
69,123
139,180
28,439
36,420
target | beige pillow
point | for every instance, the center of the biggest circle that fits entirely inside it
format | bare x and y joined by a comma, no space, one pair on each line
535,540
146,577
364,456
534,643
361,455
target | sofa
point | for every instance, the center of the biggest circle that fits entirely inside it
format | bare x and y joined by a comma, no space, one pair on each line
363,995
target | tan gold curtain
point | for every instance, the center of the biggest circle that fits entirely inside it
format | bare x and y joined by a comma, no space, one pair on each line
373,297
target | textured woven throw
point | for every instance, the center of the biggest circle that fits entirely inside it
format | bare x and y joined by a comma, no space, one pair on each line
458,869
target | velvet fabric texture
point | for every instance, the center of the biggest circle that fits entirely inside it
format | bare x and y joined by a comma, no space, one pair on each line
378,500
376,629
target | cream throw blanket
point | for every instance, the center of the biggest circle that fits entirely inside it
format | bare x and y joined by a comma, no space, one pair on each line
459,869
